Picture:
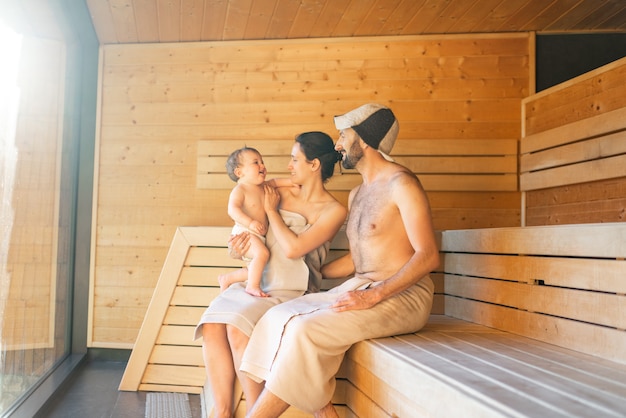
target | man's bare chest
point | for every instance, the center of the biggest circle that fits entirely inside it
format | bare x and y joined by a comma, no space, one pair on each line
368,213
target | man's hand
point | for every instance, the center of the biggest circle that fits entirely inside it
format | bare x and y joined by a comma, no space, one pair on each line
356,299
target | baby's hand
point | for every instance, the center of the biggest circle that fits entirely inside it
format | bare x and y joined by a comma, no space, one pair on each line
258,227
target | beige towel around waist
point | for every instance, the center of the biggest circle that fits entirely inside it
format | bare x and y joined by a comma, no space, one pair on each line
297,347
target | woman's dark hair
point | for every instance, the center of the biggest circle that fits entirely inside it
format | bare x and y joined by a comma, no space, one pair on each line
319,145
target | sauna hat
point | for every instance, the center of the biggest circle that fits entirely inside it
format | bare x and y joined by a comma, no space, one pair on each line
375,124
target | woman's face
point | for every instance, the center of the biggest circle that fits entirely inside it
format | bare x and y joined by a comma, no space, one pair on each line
299,167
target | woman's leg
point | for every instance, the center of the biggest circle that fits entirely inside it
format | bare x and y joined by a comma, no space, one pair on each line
238,342
218,362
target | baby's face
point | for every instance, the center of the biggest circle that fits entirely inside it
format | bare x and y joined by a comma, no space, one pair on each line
252,169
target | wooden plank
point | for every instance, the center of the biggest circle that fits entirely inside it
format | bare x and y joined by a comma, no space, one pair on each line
202,276
277,166
588,240
174,375
523,376
211,256
183,315
597,341
595,373
605,168
498,147
364,387
194,296
591,149
300,50
591,307
176,355
148,387
431,182
177,335
600,275
425,378
155,314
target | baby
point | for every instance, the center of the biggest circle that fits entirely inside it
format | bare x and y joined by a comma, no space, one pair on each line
245,207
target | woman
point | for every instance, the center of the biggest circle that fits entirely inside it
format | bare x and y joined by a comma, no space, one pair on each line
303,218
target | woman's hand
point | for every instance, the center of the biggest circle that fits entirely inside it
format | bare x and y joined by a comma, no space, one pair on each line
272,199
238,245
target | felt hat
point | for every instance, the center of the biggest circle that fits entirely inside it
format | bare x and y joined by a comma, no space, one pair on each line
375,124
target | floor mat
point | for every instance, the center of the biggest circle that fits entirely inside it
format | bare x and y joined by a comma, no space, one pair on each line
167,405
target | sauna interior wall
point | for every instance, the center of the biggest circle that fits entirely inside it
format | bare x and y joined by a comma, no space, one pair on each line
591,94
157,101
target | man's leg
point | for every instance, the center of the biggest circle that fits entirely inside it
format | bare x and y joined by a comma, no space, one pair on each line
268,406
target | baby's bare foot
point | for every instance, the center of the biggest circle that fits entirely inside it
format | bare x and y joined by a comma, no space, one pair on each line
256,291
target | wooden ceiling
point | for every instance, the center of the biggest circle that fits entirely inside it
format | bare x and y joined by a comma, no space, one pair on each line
138,21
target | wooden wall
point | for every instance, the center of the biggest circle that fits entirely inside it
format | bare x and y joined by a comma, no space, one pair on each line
159,101
576,135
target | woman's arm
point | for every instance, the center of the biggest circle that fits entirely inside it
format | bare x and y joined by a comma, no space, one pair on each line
279,182
338,268
322,230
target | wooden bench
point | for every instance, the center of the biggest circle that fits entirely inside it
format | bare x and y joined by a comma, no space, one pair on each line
533,326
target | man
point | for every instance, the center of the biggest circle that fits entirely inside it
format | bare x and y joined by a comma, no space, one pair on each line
298,346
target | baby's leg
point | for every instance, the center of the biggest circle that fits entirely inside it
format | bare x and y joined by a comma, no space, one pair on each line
239,275
260,254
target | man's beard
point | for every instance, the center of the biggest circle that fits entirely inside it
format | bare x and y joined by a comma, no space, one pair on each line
353,156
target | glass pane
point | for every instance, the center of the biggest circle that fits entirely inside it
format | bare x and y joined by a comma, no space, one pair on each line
36,204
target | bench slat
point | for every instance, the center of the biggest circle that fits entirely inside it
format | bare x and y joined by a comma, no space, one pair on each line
606,146
431,182
177,355
177,335
579,130
553,387
592,307
578,273
587,338
583,172
441,165
586,240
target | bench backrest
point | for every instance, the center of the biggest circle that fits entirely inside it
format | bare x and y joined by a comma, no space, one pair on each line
582,151
565,285
442,165
164,357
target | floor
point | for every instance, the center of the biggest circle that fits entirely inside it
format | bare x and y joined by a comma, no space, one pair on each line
92,392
